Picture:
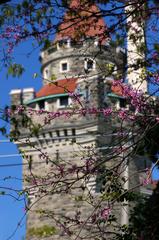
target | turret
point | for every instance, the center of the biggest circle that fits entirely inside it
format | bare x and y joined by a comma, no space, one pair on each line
81,47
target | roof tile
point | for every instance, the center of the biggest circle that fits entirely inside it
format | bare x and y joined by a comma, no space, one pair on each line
117,90
58,87
86,21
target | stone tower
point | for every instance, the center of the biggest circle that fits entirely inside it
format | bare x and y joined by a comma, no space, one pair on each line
76,64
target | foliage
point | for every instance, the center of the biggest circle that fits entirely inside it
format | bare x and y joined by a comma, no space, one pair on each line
44,231
143,219
16,70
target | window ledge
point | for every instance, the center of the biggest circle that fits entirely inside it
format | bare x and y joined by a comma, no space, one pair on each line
64,106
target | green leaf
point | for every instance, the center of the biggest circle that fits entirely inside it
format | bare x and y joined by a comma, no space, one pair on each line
156,47
44,231
35,75
53,77
15,70
47,44
25,4
3,130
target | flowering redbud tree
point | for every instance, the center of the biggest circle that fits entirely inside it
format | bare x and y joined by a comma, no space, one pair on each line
134,126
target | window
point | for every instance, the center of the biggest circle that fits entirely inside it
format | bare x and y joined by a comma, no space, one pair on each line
65,132
89,64
41,104
64,101
73,134
51,136
122,103
50,133
87,94
64,67
57,133
46,71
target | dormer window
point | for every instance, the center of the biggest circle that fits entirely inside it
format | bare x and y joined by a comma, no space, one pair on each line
89,64
64,101
41,104
122,103
64,67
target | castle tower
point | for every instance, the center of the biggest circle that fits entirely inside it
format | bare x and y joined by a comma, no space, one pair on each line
76,64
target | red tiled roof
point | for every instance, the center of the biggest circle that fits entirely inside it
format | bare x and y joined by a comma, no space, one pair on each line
66,86
85,22
117,90
59,87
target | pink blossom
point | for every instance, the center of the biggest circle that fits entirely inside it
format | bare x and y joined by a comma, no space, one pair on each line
107,112
146,181
157,119
136,97
8,112
20,109
93,110
74,96
155,55
105,213
122,114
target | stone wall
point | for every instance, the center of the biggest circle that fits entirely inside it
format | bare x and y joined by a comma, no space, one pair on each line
76,57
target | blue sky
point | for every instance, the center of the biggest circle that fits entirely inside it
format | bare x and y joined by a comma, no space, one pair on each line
12,211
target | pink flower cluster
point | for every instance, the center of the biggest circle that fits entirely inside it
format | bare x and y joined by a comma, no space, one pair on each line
75,97
13,35
107,112
123,114
9,112
135,97
105,213
146,179
68,113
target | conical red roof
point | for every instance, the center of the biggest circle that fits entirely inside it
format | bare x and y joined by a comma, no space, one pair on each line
83,19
